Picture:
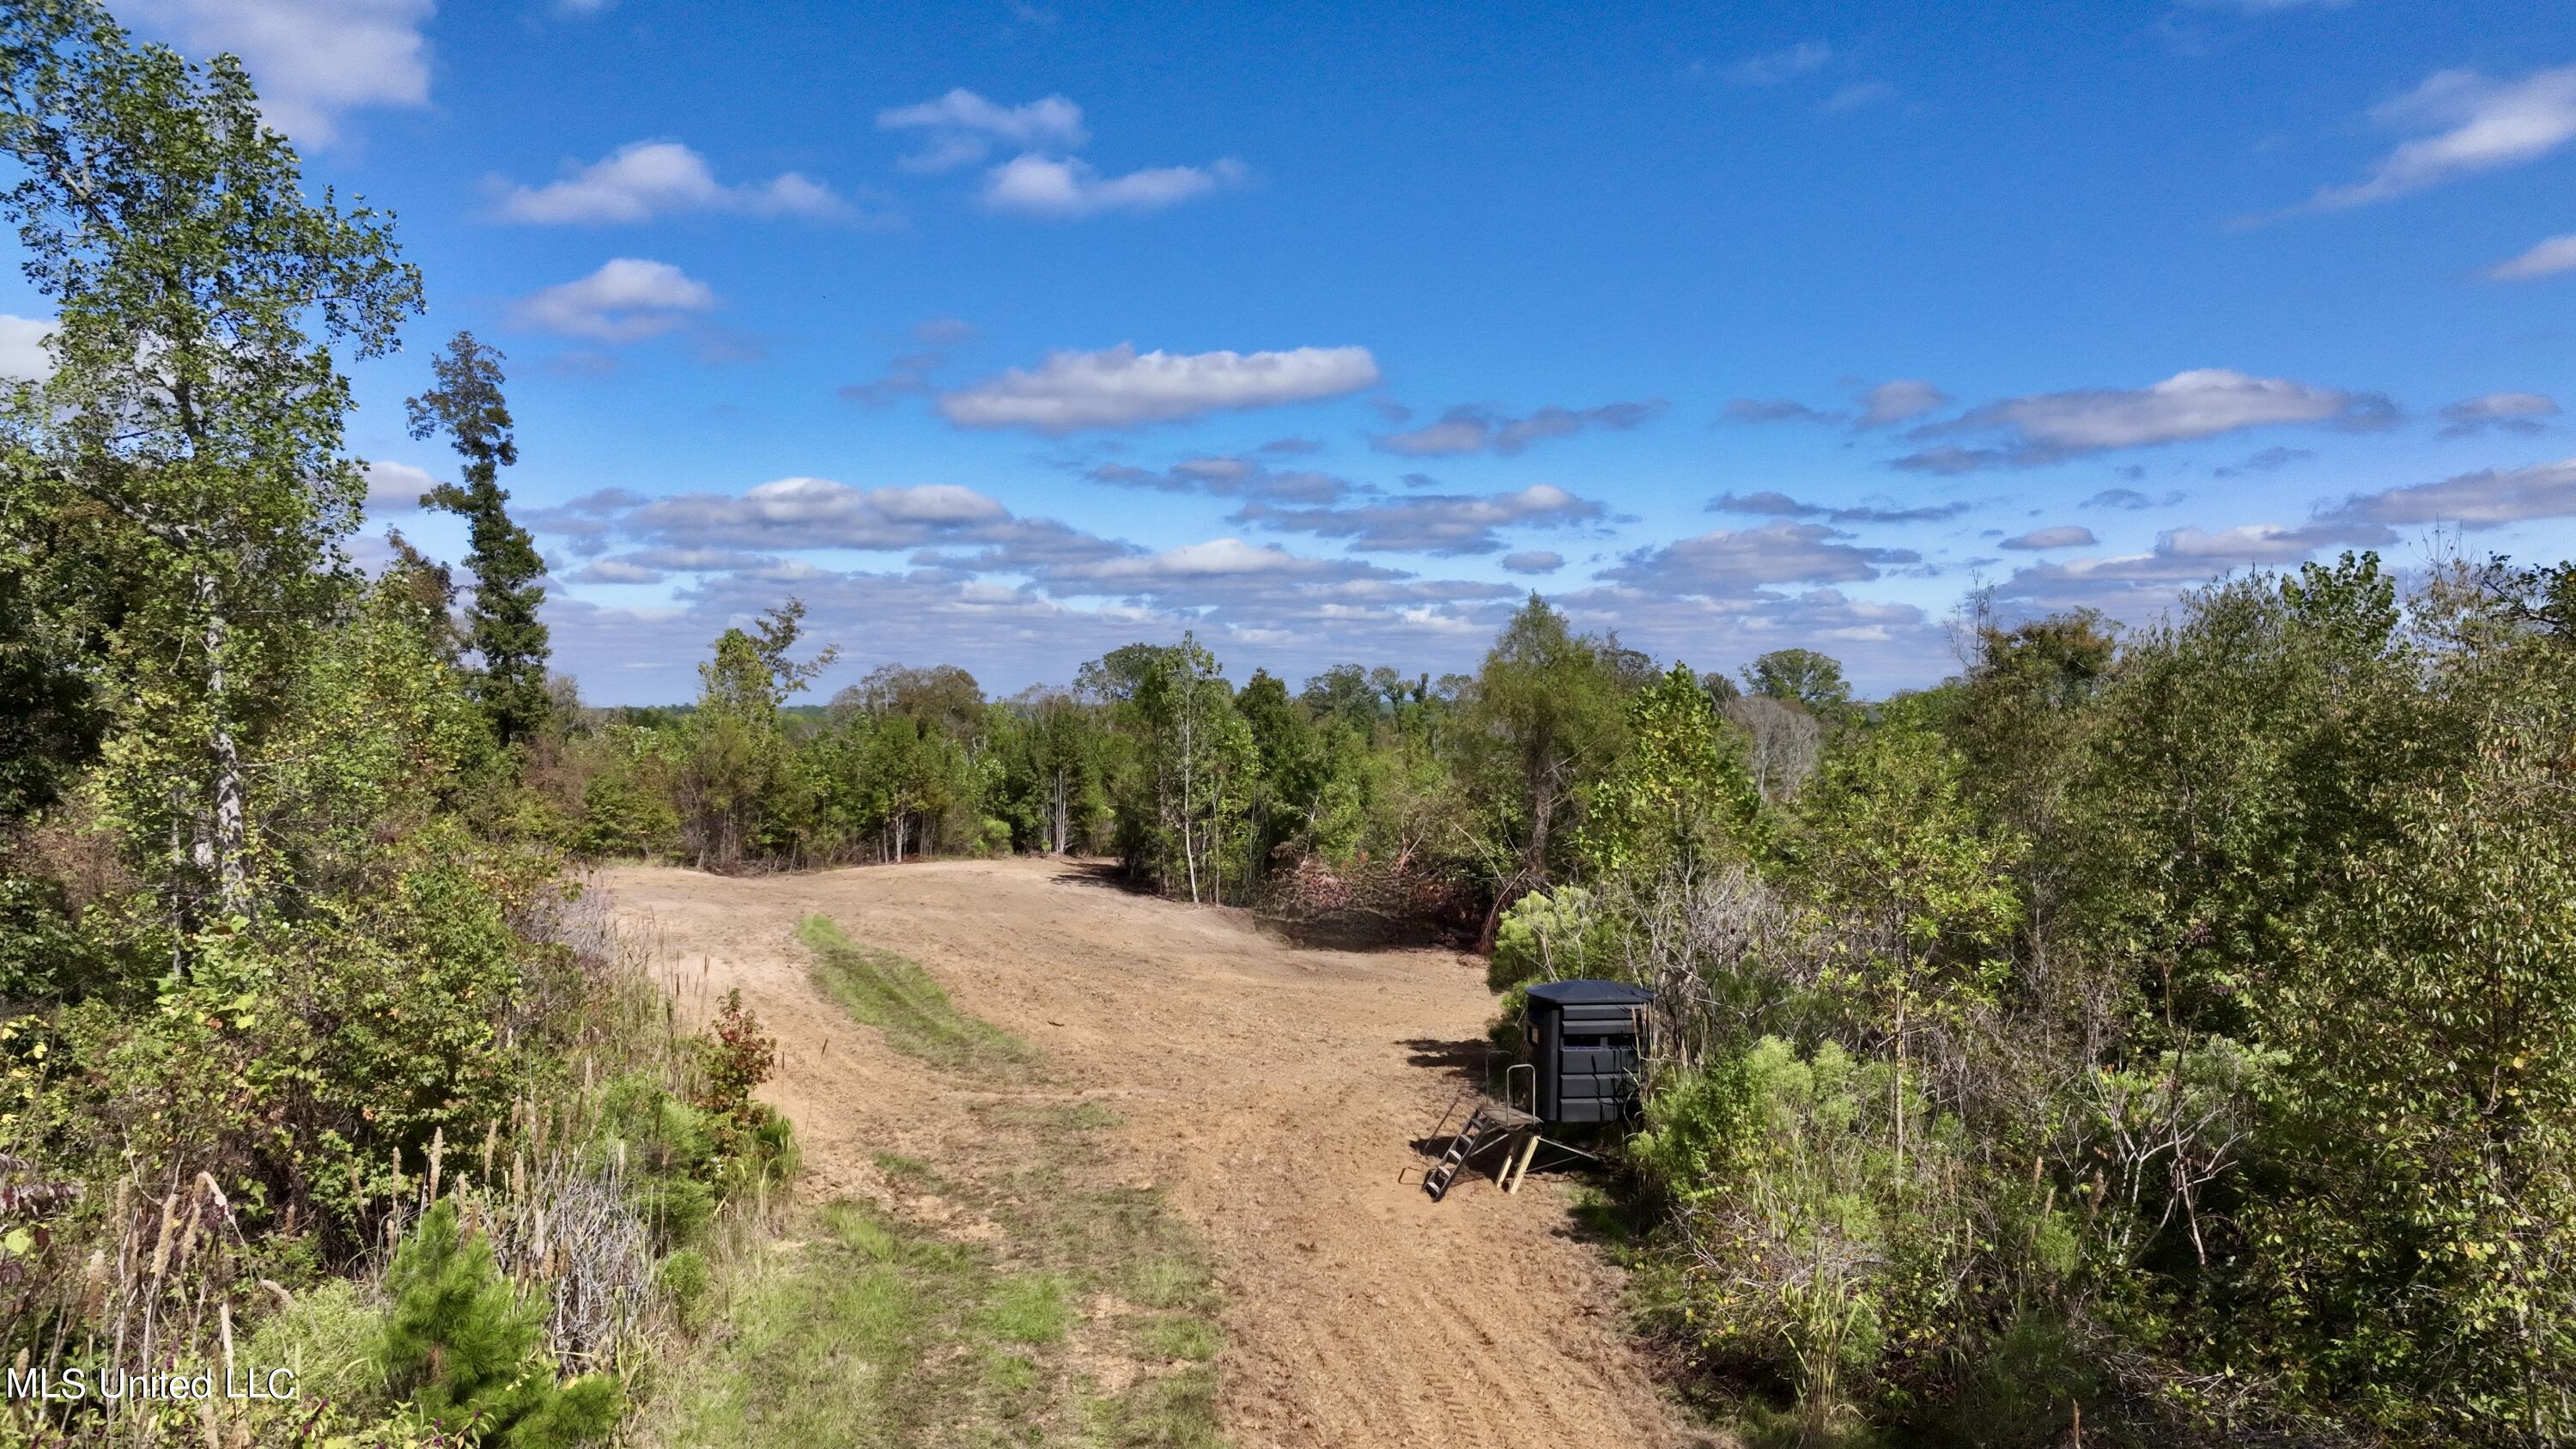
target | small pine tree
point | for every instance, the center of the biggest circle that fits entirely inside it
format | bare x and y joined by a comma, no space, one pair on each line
462,1347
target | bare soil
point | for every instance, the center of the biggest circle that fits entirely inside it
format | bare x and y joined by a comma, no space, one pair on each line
1274,1096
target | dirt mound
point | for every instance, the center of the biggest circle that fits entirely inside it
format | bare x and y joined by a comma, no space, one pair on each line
1272,1093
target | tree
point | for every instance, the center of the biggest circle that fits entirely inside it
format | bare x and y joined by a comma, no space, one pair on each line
1801,675
193,420
1544,720
502,625
1681,790
1191,766
736,743
1912,900
460,1344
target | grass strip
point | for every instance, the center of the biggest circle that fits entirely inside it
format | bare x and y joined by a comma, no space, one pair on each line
895,995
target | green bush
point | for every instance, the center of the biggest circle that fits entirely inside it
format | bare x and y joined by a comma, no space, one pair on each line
1547,936
686,1282
330,1337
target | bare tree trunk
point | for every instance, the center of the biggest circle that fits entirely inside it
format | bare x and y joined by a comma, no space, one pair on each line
1063,811
224,852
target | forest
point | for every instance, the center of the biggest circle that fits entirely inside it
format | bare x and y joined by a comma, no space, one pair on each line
2168,1027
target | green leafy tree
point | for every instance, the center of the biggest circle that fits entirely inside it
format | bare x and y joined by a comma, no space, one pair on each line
1681,791
1544,720
502,623
1912,899
1803,676
736,743
192,425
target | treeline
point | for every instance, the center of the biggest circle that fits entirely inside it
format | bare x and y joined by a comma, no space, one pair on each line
1364,791
308,1061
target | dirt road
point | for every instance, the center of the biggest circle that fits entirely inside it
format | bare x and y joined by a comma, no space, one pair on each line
1272,1093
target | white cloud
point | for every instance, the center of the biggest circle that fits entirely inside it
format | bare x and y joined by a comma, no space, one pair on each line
645,179
2557,254
616,571
2477,124
2064,535
396,487
1437,523
1899,401
2201,403
626,300
1035,185
795,513
1121,387
22,348
2485,499
961,127
1472,429
1735,561
1537,561
2512,412
311,59
1779,65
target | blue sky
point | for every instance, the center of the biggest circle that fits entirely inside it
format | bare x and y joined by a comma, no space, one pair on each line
1006,334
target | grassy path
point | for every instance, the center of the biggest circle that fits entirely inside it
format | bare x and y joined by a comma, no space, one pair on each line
1018,1294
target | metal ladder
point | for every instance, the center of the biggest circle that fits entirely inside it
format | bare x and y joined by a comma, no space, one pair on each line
1487,1125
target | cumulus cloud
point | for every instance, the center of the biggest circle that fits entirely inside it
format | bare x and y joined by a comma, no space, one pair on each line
1537,561
2474,123
615,571
820,513
645,179
1785,64
2064,535
1434,523
626,300
2201,403
2557,254
1469,428
1226,476
961,127
1770,503
22,348
1734,561
2487,498
1068,186
396,487
313,60
1121,387
2512,412
1898,401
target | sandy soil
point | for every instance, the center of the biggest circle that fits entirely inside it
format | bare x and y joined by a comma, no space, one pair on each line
1274,1094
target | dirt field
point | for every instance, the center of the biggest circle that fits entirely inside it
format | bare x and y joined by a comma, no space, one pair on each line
1273,1094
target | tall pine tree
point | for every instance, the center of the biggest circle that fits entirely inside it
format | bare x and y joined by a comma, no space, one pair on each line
501,624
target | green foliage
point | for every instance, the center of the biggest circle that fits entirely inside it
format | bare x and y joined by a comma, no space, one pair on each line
461,1347
1680,793
1547,936
1803,676
502,625
329,1337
